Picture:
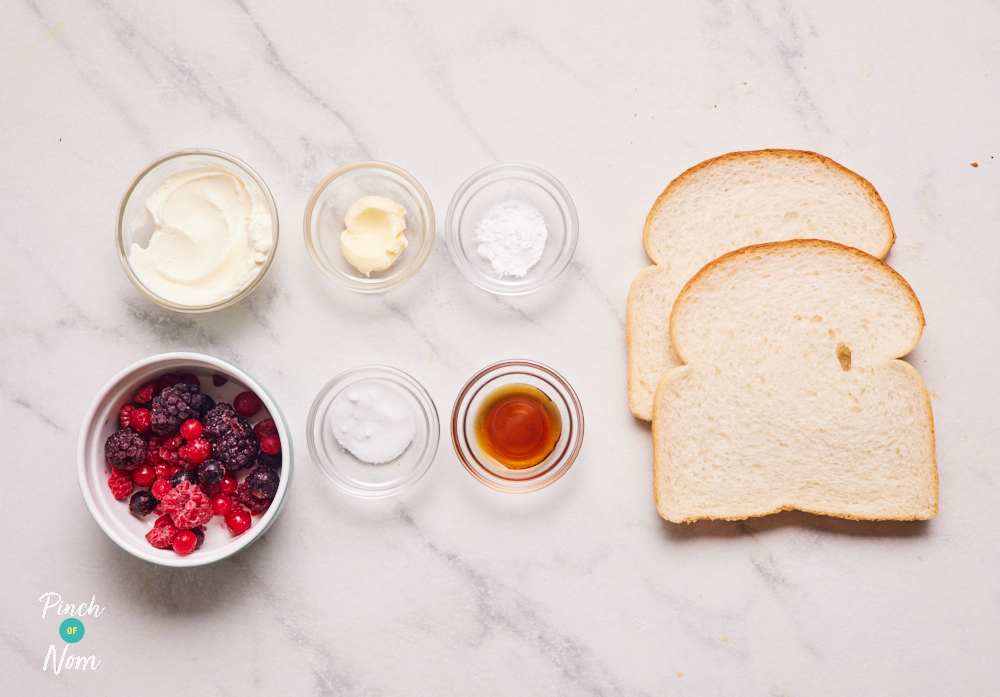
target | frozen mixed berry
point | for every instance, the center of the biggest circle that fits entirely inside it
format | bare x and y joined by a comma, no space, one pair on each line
125,415
221,504
219,380
267,427
162,470
120,483
263,482
144,475
142,503
184,542
255,504
125,449
209,489
197,450
191,429
207,404
238,522
162,536
167,380
141,420
247,404
172,442
161,487
187,505
162,520
145,393
228,484
232,440
272,461
270,445
211,472
183,476
174,405
168,456
200,534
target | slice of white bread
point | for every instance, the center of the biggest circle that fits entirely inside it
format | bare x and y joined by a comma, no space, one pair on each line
730,202
791,397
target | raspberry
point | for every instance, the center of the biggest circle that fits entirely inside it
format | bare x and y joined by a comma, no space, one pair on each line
169,456
197,450
191,429
270,445
161,487
162,536
184,542
167,381
228,485
221,504
265,428
161,521
125,415
125,449
256,504
173,442
120,483
238,522
162,470
144,475
145,393
247,404
142,503
155,441
188,506
141,420
219,380
174,469
192,378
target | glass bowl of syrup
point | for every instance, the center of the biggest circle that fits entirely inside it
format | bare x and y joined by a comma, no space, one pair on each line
517,426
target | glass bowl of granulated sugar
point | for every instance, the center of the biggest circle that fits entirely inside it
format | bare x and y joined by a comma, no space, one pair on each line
511,228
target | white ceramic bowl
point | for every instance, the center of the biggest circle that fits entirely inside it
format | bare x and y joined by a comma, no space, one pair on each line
127,530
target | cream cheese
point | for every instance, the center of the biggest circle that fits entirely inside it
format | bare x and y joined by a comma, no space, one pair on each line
374,236
211,240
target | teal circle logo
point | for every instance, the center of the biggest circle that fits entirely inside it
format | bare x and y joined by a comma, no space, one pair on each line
71,630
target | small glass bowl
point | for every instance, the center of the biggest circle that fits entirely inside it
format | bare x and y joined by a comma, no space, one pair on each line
484,468
359,478
324,221
497,184
136,226
125,529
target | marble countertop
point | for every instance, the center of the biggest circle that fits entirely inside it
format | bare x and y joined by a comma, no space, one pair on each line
452,588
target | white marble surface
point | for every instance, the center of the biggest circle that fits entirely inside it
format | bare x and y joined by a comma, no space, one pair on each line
452,588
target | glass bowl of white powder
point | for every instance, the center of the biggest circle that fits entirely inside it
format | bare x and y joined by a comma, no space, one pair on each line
511,228
373,431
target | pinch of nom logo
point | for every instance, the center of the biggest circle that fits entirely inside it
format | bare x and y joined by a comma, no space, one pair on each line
71,631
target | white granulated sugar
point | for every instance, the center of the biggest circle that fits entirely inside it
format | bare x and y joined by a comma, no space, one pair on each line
511,236
373,422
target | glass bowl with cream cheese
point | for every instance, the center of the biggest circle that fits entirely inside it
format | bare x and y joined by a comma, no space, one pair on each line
369,226
511,228
373,431
197,230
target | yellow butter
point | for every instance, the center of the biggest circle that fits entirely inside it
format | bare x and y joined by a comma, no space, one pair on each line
374,237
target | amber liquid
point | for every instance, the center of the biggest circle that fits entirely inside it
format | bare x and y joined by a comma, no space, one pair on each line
518,426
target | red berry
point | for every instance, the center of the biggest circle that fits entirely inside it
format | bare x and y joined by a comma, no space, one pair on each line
184,542
162,536
173,442
125,415
120,483
156,441
270,445
145,393
187,465
161,487
190,377
141,420
144,475
265,428
167,380
247,404
162,520
174,469
187,505
219,380
238,522
191,429
228,484
221,504
162,470
197,450
168,456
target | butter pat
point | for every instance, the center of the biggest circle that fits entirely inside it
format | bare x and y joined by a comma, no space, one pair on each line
374,237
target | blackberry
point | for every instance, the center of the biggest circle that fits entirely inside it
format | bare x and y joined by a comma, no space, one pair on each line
263,482
175,405
272,461
232,440
125,449
142,503
183,476
211,472
206,405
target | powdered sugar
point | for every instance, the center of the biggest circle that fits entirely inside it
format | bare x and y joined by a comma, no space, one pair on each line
511,236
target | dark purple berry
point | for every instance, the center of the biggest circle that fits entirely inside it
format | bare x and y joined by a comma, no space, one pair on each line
183,476
206,406
125,449
232,440
211,472
175,405
272,461
263,482
142,503
200,534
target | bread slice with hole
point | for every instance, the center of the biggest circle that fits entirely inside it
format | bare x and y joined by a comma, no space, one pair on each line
729,202
791,395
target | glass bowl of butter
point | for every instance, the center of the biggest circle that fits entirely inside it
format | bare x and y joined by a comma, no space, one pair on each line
369,226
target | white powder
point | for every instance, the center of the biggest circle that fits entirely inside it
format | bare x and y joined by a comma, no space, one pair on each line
511,236
373,422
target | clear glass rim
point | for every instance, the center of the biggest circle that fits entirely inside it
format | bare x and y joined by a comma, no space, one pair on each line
120,235
423,253
543,478
488,283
